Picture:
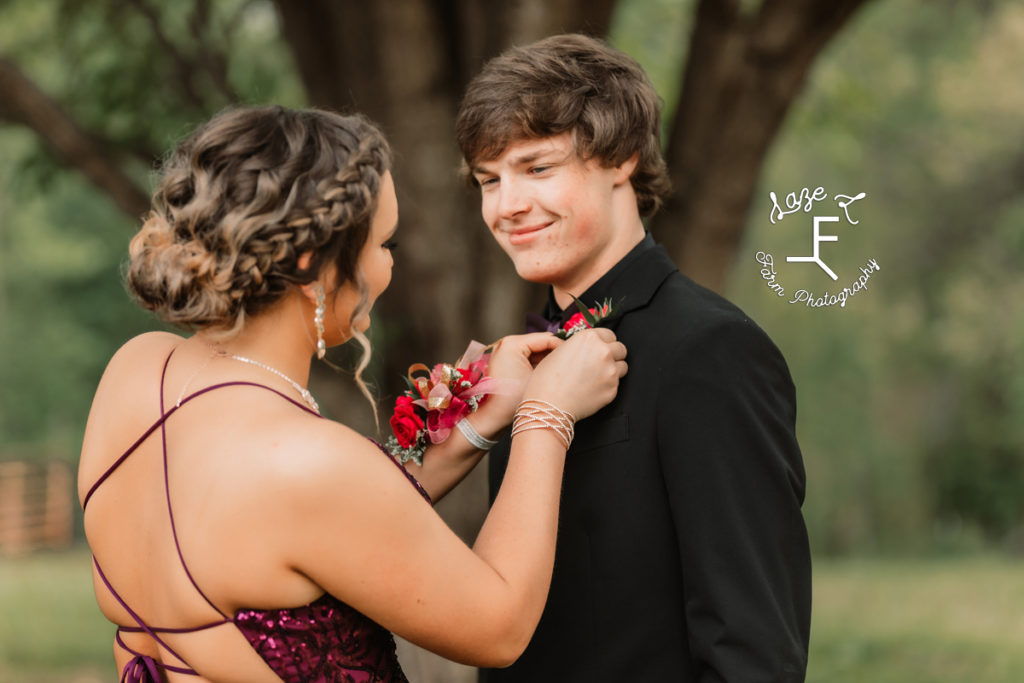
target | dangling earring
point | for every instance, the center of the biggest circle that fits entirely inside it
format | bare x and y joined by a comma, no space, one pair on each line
318,321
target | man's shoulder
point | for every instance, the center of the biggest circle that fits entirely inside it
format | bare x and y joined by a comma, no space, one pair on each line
684,307
685,322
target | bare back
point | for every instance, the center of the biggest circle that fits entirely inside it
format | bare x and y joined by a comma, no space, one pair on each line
224,450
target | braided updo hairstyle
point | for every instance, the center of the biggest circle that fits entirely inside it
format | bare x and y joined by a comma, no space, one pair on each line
241,199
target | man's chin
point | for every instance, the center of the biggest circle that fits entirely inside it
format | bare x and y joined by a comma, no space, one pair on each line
541,276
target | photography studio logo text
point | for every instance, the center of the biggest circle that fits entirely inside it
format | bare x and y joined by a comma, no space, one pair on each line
805,202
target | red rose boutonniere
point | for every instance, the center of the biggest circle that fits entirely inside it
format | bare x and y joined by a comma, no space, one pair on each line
584,318
437,398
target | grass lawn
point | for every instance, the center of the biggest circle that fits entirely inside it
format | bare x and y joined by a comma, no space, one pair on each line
875,621
913,621
50,627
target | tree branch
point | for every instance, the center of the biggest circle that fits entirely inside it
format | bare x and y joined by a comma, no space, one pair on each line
336,47
26,104
183,68
743,73
213,61
535,19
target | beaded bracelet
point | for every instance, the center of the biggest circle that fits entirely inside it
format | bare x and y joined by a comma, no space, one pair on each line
474,437
536,414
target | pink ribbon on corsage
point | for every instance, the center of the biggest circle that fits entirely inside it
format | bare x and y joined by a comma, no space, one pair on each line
445,406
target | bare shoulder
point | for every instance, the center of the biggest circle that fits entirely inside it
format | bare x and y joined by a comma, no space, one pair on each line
317,465
143,348
117,410
313,450
340,504
139,358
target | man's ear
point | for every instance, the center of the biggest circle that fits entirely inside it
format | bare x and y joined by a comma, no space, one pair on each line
624,171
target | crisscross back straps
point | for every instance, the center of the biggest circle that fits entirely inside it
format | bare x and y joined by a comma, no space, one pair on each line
164,415
167,481
150,632
141,668
163,418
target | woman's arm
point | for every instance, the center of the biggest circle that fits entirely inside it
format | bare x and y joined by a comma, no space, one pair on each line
359,530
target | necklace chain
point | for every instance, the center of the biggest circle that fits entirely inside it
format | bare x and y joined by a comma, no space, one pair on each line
306,396
192,377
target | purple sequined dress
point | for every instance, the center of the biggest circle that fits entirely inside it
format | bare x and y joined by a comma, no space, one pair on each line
325,641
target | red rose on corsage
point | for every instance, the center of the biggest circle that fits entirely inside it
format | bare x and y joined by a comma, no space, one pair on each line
586,317
437,398
405,423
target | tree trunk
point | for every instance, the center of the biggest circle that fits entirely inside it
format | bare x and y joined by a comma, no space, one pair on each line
405,64
743,72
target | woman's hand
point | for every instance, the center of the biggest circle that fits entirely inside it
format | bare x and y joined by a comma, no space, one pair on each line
512,361
582,375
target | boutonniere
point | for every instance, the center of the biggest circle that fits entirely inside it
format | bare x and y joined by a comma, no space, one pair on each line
436,400
585,317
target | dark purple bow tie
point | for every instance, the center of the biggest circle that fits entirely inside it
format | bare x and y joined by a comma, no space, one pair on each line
538,323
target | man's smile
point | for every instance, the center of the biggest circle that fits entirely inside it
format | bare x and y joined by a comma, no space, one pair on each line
526,233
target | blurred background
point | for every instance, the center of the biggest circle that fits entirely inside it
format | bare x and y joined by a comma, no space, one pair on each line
911,396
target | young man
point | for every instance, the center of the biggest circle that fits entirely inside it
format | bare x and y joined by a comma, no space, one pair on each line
682,553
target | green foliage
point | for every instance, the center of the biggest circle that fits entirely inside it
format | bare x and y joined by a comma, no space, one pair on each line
909,397
52,629
885,621
941,621
63,307
656,33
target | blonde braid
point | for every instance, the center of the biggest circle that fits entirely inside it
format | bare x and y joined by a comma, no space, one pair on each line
241,199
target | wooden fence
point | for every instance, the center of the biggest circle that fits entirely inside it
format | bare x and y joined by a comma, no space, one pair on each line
36,506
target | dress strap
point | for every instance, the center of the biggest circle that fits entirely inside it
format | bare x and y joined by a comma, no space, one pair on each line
140,659
163,418
164,415
138,442
167,481
140,669
408,475
143,668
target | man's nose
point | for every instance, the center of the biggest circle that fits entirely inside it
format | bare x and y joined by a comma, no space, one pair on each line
512,199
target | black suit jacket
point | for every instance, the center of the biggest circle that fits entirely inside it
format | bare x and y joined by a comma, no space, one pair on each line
682,553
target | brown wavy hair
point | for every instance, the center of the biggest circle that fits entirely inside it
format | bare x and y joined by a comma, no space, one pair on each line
568,83
240,200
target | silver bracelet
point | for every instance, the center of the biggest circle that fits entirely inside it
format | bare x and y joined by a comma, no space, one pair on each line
473,436
536,414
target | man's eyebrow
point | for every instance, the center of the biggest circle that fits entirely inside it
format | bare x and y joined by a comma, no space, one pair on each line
529,158
478,170
522,160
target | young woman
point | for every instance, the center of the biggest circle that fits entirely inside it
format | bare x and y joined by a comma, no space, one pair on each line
237,534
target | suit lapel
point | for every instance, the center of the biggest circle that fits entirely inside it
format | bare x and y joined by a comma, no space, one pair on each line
629,285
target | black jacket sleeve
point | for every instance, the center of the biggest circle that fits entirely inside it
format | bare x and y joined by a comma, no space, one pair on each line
726,413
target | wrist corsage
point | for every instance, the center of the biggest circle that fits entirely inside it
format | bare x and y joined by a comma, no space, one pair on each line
437,400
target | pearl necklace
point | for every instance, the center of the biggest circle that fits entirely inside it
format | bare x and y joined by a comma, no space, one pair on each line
306,396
